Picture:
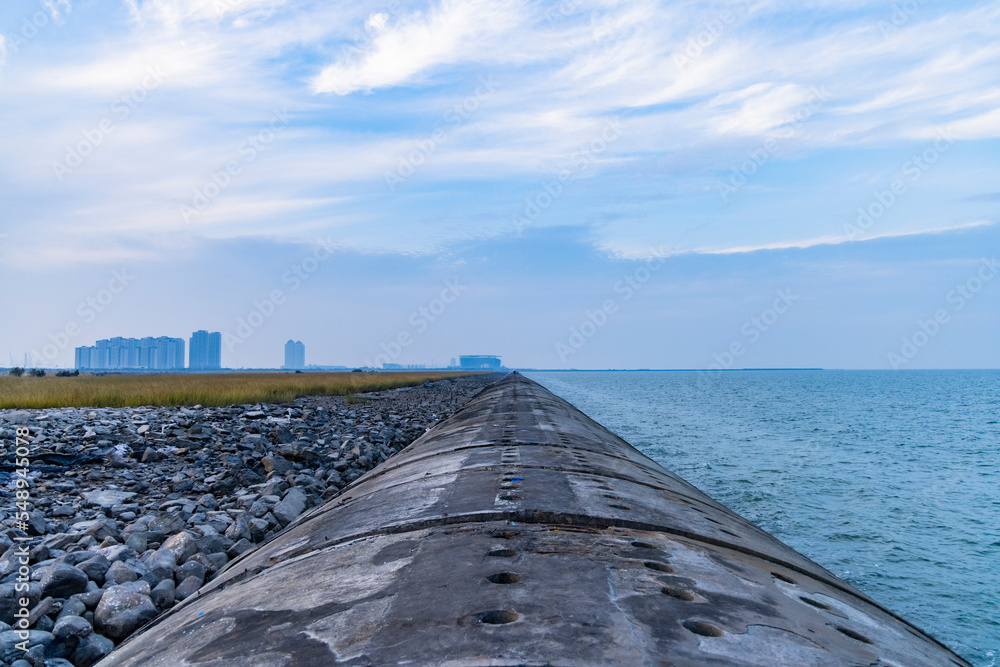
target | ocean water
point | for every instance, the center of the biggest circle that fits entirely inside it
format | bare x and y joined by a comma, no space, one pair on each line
889,480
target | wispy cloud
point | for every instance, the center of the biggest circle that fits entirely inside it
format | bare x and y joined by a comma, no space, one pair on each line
407,47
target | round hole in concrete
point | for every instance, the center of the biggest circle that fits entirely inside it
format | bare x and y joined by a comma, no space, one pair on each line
497,616
818,605
659,567
644,545
502,553
853,635
781,577
504,578
702,628
678,593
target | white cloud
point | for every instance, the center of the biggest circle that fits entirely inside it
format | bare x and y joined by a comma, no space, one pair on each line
407,47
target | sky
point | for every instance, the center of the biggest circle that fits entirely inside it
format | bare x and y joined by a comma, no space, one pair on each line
566,184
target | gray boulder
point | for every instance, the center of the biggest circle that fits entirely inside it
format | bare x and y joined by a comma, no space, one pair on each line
122,612
72,626
119,573
187,588
290,507
62,580
91,648
162,594
182,546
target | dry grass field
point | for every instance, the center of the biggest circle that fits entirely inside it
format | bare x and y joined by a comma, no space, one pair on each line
208,389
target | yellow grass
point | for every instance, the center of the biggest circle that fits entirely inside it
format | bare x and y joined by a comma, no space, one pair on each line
209,389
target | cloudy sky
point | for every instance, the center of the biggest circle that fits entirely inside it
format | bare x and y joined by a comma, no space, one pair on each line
574,183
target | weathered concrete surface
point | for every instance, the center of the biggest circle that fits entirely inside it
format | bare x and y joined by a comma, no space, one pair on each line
521,532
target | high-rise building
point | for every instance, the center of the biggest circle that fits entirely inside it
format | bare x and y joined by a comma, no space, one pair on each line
206,351
295,354
479,362
161,353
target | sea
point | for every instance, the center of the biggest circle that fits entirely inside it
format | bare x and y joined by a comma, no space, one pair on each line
889,479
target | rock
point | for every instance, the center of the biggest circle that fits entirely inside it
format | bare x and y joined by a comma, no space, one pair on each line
163,594
95,568
119,573
238,530
92,648
187,588
209,502
62,580
122,611
167,524
239,548
37,525
276,464
151,455
102,530
182,546
259,508
136,542
140,586
107,498
192,568
62,510
290,507
91,598
72,607
72,626
121,552
282,435
210,544
36,615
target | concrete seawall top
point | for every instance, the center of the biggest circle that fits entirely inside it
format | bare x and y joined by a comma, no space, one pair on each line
521,532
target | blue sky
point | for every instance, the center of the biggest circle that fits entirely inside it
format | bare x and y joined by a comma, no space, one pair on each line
566,184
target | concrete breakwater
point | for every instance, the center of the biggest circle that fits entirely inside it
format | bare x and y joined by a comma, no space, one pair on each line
518,532
132,510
